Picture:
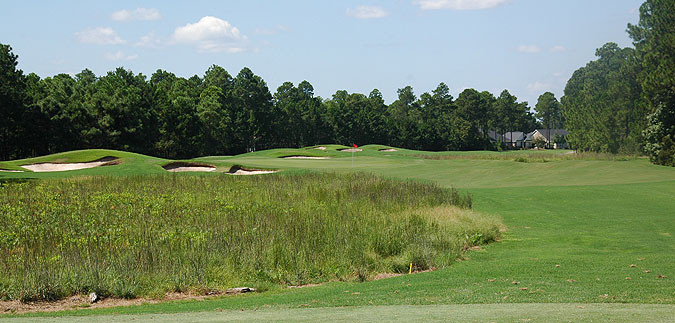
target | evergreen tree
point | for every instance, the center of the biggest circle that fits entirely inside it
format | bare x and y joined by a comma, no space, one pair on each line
654,40
12,87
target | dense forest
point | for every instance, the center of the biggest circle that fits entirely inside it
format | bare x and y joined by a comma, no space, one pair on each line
625,100
218,114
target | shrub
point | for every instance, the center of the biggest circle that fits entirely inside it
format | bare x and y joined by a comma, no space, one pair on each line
539,142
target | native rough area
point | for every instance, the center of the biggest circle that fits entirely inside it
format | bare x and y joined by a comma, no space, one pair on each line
139,236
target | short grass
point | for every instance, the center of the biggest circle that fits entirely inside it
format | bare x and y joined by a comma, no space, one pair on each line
131,164
592,217
474,171
391,313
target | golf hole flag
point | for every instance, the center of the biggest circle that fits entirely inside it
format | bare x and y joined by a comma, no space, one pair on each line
355,146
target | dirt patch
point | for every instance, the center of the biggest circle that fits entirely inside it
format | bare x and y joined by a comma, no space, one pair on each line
388,150
70,303
351,150
304,157
188,167
238,170
82,302
60,167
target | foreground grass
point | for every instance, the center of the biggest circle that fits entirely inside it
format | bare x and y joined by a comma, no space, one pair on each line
434,313
594,240
594,218
144,236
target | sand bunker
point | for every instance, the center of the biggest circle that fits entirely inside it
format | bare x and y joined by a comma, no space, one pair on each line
60,167
188,167
253,172
351,150
320,148
304,157
11,171
237,170
387,150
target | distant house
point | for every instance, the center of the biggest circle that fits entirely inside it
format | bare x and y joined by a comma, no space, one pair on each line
549,135
514,139
511,139
493,135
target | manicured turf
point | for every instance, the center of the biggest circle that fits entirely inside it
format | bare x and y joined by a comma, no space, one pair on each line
132,164
593,218
408,313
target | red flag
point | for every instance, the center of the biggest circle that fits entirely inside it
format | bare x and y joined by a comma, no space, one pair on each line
355,146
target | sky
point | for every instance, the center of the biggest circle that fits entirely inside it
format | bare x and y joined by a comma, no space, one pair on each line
525,46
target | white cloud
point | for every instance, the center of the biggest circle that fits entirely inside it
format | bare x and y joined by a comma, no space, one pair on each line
367,12
211,34
529,49
150,41
538,87
137,14
119,56
458,4
100,36
557,48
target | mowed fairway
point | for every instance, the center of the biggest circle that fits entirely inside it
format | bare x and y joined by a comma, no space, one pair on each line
579,231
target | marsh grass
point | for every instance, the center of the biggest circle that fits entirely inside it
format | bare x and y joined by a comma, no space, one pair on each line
148,235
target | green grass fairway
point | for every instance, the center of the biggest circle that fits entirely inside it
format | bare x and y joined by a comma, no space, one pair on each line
427,313
579,231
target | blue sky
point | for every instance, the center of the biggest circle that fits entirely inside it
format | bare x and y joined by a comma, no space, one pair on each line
525,46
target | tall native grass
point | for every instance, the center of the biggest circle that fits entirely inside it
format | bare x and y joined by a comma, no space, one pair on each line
145,236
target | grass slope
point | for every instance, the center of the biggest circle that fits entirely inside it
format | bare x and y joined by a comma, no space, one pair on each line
594,218
131,164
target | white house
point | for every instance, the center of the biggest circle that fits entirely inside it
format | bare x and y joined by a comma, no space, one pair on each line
550,136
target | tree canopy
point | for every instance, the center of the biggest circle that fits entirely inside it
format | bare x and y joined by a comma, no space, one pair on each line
625,100
215,114
654,40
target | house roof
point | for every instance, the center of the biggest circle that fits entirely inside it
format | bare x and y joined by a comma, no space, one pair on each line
550,133
513,136
493,135
529,135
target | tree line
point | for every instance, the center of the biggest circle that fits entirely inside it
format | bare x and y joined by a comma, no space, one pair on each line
175,117
625,100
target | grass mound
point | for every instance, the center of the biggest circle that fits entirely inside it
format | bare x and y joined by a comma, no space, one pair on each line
144,236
